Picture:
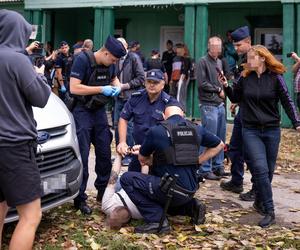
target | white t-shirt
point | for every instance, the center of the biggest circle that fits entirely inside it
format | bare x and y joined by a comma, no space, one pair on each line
111,200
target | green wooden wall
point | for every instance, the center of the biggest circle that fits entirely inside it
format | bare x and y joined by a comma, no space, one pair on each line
143,24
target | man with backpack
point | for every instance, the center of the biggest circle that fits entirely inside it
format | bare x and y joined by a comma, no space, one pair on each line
93,82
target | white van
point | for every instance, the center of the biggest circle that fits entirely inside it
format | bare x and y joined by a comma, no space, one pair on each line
58,157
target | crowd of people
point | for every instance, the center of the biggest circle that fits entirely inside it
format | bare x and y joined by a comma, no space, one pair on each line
167,155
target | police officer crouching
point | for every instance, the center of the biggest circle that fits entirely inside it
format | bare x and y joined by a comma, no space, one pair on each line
93,82
174,145
145,107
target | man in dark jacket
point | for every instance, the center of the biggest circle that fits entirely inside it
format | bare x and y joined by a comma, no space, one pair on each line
211,98
20,89
130,72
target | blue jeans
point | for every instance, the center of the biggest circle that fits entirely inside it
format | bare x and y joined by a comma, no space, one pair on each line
214,120
119,104
261,149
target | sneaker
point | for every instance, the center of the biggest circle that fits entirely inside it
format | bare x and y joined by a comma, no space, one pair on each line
153,228
83,207
210,176
268,220
230,186
249,196
199,211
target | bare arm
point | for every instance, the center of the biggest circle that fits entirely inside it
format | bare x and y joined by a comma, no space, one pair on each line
115,170
80,89
210,153
122,146
58,74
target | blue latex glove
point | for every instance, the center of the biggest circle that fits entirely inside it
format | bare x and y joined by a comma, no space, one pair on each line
63,89
116,91
107,90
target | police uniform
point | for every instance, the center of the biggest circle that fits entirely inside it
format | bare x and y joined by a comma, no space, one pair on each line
65,63
145,115
144,190
236,140
91,119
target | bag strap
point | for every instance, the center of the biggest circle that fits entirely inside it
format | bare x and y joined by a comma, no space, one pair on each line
90,55
122,199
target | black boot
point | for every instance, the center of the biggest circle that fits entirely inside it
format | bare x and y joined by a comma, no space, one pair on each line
230,186
249,196
83,207
198,213
268,220
259,207
153,228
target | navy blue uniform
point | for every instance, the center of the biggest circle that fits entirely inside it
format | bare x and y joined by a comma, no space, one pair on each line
64,63
145,115
92,127
144,190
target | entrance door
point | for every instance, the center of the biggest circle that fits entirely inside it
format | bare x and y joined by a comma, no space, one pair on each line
173,33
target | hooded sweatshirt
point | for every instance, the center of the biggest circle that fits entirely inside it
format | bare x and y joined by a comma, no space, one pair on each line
20,86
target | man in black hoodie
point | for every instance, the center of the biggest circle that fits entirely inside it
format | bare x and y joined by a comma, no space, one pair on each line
20,89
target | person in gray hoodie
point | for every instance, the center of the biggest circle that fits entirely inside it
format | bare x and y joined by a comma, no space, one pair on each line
21,87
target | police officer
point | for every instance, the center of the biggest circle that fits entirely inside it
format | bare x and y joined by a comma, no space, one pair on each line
63,66
242,43
145,107
174,145
93,82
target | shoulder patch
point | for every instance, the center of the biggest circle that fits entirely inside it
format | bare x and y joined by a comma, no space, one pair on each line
137,93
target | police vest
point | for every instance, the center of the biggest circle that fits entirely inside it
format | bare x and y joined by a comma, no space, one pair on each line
100,76
184,149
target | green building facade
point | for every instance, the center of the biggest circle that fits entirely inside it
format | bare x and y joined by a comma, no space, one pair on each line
153,22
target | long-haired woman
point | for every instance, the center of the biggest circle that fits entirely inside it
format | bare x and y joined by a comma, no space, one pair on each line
259,91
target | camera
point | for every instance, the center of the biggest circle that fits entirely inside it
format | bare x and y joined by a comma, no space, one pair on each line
37,58
289,54
39,49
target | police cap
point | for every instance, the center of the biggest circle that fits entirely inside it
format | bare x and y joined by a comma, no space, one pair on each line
63,43
240,34
115,47
155,75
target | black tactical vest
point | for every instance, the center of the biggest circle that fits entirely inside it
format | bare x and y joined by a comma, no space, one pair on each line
184,149
100,76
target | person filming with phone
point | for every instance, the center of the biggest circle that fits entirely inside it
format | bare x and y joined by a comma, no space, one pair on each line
259,90
296,71
211,98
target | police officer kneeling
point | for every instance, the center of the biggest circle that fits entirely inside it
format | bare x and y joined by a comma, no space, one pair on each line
174,145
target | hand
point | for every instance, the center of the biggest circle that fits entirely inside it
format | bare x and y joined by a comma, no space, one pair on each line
222,79
40,70
107,90
63,89
32,46
232,107
122,148
298,129
135,149
222,94
116,91
295,56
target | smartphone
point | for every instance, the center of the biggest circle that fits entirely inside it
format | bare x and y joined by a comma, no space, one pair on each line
289,54
219,71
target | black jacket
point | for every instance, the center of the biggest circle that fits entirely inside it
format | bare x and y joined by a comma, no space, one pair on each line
133,73
207,78
259,99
